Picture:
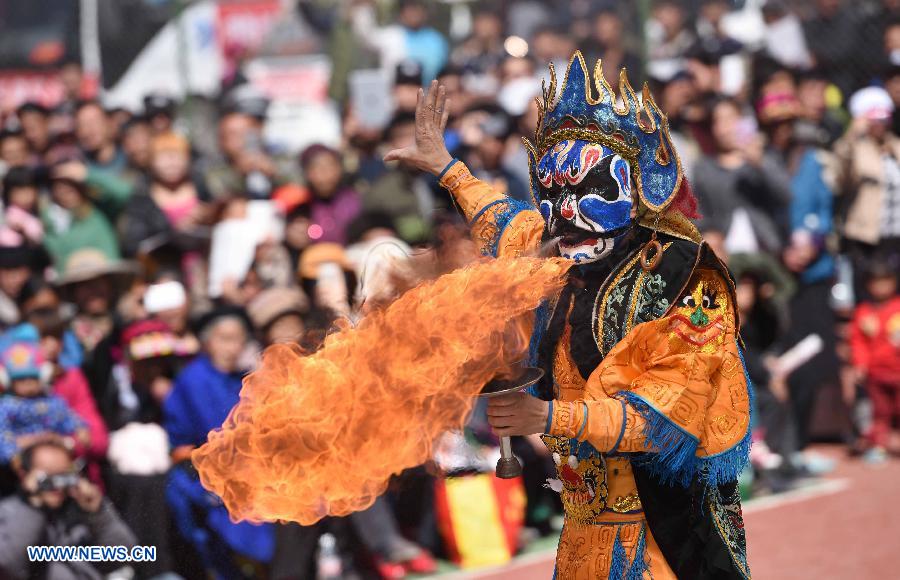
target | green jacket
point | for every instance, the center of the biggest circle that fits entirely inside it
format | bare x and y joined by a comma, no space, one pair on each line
87,228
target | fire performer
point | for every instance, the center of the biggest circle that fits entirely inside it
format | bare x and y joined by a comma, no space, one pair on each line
645,405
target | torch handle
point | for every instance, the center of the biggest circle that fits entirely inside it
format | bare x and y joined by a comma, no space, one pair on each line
508,466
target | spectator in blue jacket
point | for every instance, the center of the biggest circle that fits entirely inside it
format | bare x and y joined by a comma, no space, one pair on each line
203,395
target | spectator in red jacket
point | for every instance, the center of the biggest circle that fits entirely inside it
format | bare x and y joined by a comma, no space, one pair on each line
875,344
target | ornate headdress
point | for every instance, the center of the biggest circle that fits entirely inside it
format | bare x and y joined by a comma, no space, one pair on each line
635,129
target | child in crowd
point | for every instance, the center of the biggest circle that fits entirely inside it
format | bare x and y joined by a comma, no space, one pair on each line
28,413
773,432
875,346
66,382
21,223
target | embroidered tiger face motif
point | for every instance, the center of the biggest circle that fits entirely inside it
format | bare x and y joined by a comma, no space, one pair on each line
703,312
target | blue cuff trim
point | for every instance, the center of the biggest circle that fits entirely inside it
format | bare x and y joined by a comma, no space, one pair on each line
503,219
615,446
447,168
549,424
482,211
583,422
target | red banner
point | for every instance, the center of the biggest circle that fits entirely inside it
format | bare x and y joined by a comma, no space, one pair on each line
243,25
44,87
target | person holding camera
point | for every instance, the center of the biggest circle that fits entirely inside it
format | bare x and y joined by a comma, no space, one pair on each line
56,506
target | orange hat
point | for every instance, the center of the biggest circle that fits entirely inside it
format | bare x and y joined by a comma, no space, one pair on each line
319,254
290,196
170,142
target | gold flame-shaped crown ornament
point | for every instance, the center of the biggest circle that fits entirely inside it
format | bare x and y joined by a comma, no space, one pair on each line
634,128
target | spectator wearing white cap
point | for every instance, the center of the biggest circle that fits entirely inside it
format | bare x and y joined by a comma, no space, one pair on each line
869,172
168,302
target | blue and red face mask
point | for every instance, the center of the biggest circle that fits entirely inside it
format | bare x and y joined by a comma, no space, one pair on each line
585,198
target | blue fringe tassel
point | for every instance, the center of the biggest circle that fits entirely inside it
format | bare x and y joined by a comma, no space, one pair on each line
725,467
484,210
541,321
639,563
619,561
619,567
675,459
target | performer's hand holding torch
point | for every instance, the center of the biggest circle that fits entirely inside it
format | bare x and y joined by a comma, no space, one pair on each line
517,414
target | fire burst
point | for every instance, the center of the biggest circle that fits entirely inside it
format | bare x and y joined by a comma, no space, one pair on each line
321,434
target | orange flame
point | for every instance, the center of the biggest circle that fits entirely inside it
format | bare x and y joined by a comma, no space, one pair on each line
322,434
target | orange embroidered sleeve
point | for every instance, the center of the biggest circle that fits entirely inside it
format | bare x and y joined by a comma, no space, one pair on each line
494,225
608,424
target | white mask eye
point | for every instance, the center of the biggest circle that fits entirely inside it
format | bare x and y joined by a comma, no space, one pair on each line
689,301
706,301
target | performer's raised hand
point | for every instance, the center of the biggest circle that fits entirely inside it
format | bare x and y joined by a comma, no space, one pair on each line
517,414
428,153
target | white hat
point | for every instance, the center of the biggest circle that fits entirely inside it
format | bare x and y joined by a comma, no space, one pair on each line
164,296
871,103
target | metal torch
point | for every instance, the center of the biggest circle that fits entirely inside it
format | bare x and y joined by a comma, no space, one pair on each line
508,466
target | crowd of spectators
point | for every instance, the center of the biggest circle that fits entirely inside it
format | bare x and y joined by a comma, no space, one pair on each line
140,277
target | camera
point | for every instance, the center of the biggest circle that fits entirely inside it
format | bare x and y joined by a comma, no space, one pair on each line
57,481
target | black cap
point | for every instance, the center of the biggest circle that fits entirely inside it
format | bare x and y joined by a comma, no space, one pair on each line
246,100
224,311
19,256
32,107
880,266
409,72
682,75
134,121
709,51
159,104
891,71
